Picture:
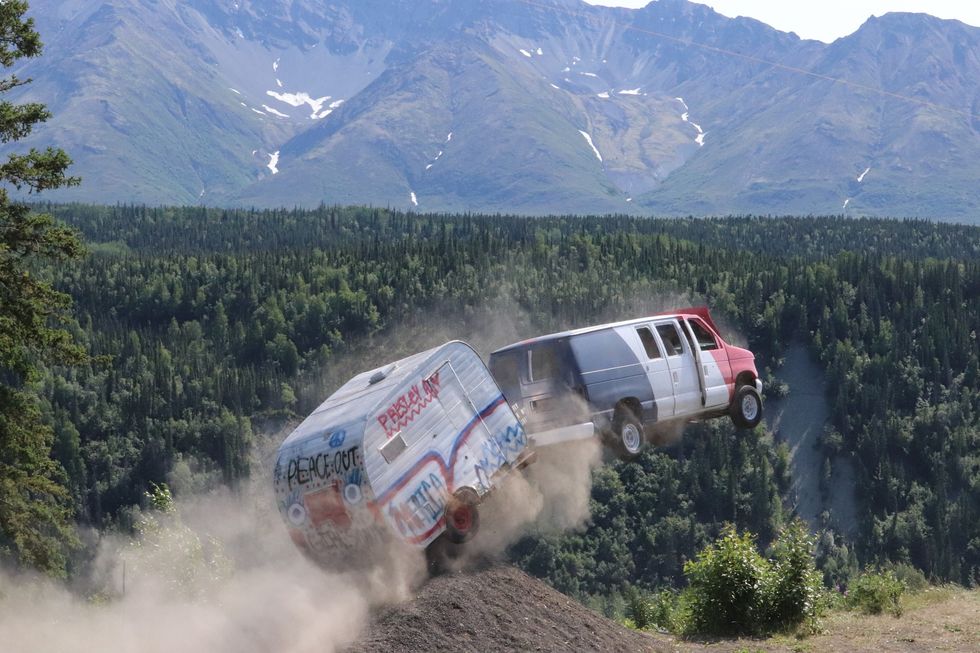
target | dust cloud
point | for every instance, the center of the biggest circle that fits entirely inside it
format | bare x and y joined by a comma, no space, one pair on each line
551,496
218,574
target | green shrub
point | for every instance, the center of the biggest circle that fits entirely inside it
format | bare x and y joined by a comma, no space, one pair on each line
794,584
876,592
638,609
735,591
727,583
913,579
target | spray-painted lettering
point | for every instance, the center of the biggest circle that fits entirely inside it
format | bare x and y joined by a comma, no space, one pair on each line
493,455
421,509
409,405
321,466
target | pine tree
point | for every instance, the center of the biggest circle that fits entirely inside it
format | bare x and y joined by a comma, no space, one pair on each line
35,506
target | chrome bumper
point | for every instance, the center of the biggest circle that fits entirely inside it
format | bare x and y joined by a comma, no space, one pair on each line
582,431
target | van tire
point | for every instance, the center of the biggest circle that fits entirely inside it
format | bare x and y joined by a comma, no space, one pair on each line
746,408
627,434
462,516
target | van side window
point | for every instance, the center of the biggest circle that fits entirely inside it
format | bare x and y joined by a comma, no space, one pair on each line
706,339
672,339
649,343
543,363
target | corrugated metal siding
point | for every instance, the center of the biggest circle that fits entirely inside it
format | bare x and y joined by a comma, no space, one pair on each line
446,450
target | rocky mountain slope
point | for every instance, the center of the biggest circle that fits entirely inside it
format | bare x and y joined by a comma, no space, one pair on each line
530,106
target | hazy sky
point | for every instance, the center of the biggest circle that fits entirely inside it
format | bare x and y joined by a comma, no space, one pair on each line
826,20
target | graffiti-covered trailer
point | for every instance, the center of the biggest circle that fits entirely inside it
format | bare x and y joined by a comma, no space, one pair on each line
408,449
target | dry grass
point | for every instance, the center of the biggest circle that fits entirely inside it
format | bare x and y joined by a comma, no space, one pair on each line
938,619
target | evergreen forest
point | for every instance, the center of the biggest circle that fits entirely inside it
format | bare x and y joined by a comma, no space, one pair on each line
210,332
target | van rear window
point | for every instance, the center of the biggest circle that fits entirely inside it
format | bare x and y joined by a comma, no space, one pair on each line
649,343
544,362
506,369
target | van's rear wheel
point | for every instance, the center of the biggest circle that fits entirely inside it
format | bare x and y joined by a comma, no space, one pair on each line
746,408
628,436
462,516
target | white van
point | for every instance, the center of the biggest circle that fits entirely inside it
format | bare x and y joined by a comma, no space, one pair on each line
626,380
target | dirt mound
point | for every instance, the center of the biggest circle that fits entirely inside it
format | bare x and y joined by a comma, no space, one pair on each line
498,608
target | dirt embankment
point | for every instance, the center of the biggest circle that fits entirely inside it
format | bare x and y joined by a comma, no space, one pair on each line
498,608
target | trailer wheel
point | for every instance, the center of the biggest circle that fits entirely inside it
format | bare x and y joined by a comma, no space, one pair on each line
746,408
628,436
462,516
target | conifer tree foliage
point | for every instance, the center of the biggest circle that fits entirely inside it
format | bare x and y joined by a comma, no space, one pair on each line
35,507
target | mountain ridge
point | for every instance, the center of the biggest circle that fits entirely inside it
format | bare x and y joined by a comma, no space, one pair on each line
556,106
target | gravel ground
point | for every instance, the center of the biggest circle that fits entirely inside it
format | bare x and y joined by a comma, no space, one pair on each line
498,608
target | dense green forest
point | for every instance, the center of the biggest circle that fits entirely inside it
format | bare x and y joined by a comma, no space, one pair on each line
210,330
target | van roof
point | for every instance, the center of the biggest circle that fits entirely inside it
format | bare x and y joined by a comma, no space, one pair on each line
700,311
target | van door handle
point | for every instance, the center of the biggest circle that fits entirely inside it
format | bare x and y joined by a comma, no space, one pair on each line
705,370
676,378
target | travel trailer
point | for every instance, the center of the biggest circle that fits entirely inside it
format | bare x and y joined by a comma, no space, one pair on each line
407,450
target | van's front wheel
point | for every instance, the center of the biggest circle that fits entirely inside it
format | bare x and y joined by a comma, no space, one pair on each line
628,436
746,408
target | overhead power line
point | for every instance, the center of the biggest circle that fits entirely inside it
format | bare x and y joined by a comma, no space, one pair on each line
759,60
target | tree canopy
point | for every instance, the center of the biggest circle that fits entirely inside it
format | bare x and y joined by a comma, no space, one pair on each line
35,507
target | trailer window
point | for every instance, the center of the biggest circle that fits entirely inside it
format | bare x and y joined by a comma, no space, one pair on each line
649,343
543,363
706,339
672,339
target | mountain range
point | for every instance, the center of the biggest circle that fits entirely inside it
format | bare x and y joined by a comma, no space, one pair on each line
526,106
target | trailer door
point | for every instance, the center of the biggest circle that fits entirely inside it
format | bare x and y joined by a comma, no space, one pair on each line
480,446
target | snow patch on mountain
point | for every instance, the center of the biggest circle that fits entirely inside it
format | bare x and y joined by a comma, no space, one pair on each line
846,202
861,176
604,95
555,86
539,52
415,201
525,53
699,139
299,99
630,91
449,137
273,164
234,90
588,139
274,112
261,113
589,74
275,65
